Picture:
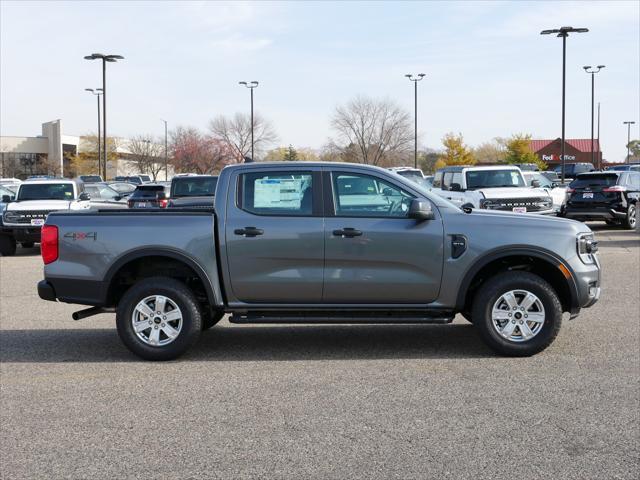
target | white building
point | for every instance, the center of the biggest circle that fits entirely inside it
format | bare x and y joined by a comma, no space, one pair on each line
48,154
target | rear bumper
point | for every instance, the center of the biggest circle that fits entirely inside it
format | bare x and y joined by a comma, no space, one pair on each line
593,213
46,291
83,292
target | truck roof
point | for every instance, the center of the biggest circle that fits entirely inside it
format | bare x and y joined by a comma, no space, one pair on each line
50,180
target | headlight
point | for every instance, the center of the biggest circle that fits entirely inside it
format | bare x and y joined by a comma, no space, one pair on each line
487,203
12,217
587,247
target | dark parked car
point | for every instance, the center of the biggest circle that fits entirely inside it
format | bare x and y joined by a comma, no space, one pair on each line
195,191
572,170
151,195
633,167
610,196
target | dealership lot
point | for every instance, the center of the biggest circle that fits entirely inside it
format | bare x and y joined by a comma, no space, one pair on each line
321,401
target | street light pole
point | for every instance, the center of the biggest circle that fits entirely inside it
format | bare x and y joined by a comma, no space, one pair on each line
592,72
166,157
564,33
99,90
105,59
628,124
415,81
251,85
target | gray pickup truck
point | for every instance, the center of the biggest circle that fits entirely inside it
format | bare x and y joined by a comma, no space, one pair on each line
320,243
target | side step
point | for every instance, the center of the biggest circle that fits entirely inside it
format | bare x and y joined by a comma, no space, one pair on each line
342,317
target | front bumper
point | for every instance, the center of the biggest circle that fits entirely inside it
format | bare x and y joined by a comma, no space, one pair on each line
30,233
587,278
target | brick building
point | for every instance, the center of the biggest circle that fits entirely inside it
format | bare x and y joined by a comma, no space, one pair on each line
575,151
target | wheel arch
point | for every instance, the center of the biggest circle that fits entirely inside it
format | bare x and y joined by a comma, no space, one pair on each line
148,262
536,260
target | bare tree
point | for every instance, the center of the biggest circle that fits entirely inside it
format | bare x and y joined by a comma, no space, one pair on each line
147,153
379,131
236,131
194,152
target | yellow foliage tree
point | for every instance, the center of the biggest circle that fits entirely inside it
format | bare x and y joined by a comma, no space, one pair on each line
518,150
455,151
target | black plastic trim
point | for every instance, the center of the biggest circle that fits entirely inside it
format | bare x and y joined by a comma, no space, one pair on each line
46,291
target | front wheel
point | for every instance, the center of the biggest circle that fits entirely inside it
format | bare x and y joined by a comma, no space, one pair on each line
158,318
517,314
629,221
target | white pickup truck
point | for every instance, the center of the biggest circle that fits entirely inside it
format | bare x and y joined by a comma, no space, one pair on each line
492,188
24,215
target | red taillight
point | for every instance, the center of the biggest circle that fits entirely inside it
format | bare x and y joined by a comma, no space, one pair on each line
570,190
615,188
49,243
163,203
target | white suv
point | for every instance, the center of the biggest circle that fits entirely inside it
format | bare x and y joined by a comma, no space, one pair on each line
494,188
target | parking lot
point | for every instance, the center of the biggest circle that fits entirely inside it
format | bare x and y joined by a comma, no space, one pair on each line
321,401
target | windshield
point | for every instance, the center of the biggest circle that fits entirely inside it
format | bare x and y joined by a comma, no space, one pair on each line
194,187
46,191
90,178
494,179
590,181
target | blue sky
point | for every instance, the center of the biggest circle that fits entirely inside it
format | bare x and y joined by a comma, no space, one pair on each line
489,71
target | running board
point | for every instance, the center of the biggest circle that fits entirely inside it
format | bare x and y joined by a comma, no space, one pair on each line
340,317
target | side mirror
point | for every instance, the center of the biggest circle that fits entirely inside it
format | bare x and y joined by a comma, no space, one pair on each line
117,198
467,207
6,198
84,196
455,187
421,210
535,183
387,192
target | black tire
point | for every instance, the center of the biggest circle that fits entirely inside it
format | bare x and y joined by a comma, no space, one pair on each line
7,246
27,244
629,221
209,319
177,292
502,283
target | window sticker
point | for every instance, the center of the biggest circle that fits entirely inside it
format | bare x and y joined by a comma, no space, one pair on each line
277,193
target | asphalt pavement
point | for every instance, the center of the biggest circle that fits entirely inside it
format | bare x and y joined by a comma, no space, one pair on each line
325,402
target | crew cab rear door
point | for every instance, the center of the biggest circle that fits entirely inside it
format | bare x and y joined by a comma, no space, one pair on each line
274,235
375,254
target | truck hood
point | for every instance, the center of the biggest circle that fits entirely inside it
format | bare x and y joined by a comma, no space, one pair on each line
512,192
503,220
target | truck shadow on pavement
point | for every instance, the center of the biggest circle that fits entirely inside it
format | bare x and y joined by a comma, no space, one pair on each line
255,343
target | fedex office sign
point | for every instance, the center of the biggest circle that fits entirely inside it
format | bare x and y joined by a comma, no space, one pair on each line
556,158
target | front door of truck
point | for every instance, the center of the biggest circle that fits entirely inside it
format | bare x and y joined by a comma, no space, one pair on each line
375,254
274,236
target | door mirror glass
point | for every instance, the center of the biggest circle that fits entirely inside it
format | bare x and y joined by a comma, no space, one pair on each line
455,187
421,209
84,196
535,183
6,198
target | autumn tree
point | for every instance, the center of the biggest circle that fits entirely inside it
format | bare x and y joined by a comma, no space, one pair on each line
147,154
379,132
427,160
455,152
289,153
235,131
518,150
85,161
194,152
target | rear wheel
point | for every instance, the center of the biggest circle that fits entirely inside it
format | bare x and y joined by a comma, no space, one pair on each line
629,221
517,313
158,318
7,246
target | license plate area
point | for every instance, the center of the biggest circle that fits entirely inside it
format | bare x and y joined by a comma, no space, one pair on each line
587,195
37,221
141,204
519,209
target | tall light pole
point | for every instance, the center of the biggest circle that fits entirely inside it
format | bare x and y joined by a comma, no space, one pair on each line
97,92
592,72
415,81
563,32
105,59
628,124
251,85
599,148
166,157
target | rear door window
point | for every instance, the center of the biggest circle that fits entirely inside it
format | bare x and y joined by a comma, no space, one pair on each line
276,193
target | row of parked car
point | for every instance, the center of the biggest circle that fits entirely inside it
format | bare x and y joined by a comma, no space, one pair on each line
25,205
610,195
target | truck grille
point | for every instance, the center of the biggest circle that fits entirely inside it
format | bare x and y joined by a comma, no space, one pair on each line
24,217
532,204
